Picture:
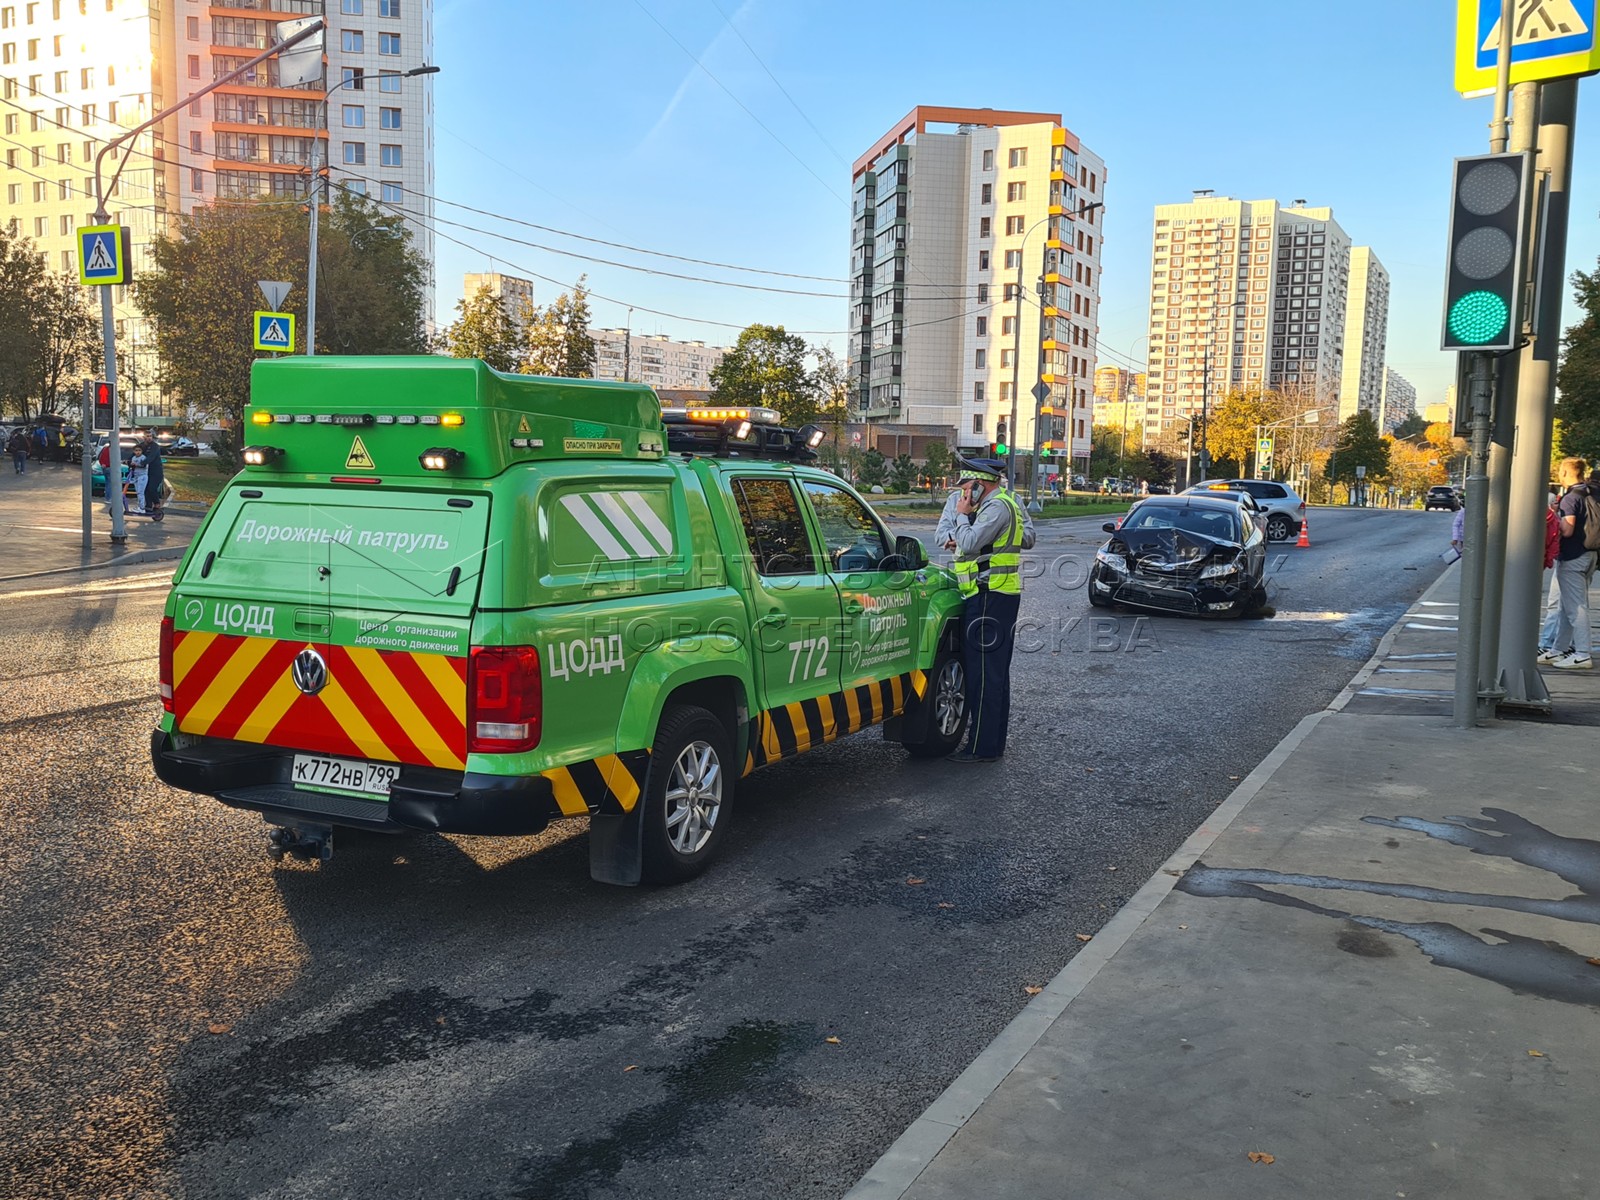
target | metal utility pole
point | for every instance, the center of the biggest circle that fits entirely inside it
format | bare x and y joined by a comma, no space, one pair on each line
1522,605
1502,441
627,347
1040,391
1475,530
1469,636
102,192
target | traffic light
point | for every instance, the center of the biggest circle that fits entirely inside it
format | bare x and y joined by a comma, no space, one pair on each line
1001,446
104,395
1488,231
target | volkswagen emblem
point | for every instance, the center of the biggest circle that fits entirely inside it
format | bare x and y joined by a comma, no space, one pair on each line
309,672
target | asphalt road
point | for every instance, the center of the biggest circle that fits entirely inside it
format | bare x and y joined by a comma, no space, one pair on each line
449,1017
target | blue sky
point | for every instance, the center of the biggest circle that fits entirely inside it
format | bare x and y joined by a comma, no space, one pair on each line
592,118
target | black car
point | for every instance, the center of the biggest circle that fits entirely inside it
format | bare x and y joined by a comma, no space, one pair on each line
1441,497
1186,554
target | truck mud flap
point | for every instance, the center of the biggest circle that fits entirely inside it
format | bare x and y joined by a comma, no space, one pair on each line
616,828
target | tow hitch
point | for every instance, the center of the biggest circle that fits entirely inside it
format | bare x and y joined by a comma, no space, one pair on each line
302,842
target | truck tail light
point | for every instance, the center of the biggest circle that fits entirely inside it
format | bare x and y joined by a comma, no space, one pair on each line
166,663
505,699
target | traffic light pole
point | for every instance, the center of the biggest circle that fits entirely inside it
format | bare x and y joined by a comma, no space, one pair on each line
1475,530
1502,440
1523,604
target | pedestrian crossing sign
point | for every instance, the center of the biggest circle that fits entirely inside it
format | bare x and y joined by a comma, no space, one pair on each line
275,331
1550,39
103,254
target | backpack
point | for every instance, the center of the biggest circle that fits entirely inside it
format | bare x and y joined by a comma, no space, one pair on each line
1591,519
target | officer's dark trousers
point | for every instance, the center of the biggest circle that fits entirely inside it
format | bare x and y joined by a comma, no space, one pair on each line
989,626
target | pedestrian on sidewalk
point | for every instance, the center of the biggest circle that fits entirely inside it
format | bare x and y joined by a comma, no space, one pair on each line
155,478
137,476
1574,569
17,447
1458,531
1548,589
991,532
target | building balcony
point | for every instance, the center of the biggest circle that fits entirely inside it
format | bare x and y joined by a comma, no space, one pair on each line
285,8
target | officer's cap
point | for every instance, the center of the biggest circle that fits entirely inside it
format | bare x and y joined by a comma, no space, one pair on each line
990,470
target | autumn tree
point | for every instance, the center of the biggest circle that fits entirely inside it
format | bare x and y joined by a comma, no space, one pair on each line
1233,426
767,366
556,338
1413,469
484,329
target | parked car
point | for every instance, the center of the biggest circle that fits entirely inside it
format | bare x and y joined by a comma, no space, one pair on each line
1285,511
1443,497
1198,554
180,447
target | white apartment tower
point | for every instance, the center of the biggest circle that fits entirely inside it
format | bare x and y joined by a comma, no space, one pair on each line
1243,293
951,208
73,75
514,293
1399,400
662,362
1366,329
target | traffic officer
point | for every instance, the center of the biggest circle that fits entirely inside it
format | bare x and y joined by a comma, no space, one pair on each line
991,531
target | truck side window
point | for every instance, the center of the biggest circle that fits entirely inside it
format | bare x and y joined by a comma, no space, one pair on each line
774,528
852,536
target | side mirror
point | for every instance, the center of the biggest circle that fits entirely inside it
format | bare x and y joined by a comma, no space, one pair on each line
909,550
1109,527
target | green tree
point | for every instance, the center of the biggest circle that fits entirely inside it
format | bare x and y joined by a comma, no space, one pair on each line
1578,377
49,332
484,329
902,473
557,341
200,291
938,463
874,469
768,367
1409,428
1359,445
1160,467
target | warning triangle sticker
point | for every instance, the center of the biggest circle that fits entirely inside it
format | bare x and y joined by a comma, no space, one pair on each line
100,258
359,459
522,426
1539,21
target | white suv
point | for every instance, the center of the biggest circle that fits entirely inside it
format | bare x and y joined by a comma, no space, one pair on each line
1285,511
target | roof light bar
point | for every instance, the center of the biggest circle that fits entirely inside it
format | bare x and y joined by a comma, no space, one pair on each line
260,418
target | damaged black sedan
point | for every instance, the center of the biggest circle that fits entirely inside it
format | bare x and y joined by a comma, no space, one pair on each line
1184,554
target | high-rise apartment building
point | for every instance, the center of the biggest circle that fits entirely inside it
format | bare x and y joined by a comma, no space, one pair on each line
77,73
1399,400
1119,401
1366,330
659,361
1243,293
514,293
971,255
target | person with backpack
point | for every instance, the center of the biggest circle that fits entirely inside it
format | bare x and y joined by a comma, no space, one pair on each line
1578,518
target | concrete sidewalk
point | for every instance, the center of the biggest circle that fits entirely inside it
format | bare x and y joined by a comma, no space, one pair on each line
1379,965
41,528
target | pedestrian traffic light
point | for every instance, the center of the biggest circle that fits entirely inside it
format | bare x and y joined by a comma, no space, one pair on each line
1488,233
105,395
1001,445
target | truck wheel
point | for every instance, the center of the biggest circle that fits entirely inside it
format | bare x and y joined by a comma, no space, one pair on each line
687,795
947,693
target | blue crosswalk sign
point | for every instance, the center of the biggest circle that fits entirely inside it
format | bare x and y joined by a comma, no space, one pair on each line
274,331
103,254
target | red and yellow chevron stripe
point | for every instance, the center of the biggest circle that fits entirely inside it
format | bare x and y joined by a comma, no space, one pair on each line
390,705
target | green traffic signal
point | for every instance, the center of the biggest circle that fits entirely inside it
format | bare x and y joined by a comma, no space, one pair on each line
1001,449
1478,317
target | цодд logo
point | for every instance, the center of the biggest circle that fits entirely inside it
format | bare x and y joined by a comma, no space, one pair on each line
309,672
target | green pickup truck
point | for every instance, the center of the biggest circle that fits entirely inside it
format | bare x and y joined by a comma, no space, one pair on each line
438,597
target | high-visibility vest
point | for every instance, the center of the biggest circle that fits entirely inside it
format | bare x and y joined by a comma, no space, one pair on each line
1001,559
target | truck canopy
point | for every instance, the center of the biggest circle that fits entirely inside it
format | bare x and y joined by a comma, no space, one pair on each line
380,418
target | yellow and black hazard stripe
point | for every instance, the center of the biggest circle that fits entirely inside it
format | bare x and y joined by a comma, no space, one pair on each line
610,784
779,733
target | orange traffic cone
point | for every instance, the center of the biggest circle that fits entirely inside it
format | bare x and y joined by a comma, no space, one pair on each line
1305,535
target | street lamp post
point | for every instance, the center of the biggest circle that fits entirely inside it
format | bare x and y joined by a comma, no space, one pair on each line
313,189
1122,454
1016,352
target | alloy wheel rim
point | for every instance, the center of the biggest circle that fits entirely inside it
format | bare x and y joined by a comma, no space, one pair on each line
694,797
949,698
